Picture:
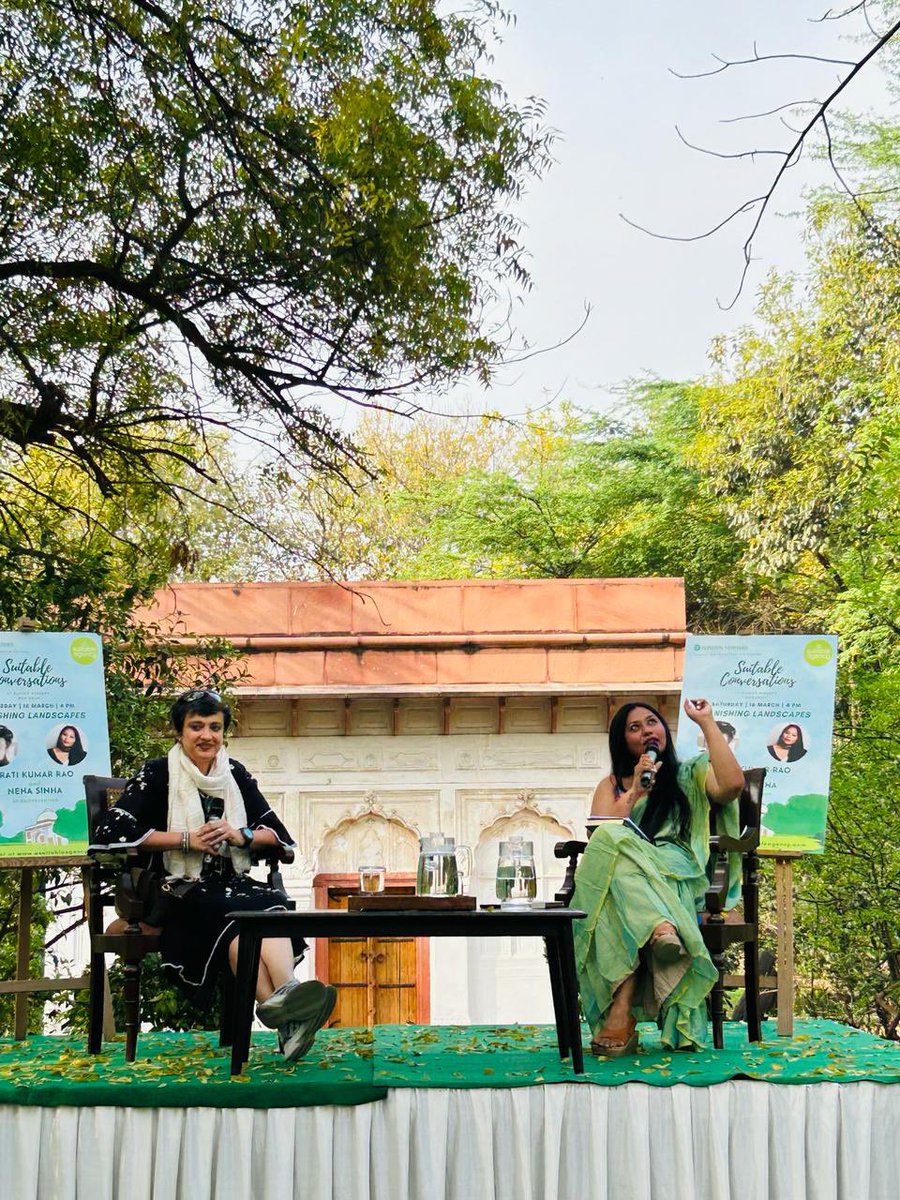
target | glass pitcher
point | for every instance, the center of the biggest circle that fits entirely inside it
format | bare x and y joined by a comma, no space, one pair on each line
440,868
516,875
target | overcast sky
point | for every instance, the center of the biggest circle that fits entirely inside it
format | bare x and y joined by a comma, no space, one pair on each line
603,70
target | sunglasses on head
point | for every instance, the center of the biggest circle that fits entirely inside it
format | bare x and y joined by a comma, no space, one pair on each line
201,694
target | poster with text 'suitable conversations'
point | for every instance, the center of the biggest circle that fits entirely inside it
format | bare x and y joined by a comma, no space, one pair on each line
53,732
773,699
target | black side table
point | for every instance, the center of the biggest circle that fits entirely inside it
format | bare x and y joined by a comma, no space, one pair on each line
554,925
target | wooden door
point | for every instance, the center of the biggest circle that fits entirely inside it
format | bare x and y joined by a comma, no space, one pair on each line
379,981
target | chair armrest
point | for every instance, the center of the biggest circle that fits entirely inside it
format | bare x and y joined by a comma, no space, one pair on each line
129,902
272,855
717,892
720,846
112,858
721,842
570,850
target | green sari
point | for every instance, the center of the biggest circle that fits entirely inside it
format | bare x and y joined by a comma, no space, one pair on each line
628,887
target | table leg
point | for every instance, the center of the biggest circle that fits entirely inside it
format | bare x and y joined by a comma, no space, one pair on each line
560,1011
249,946
569,981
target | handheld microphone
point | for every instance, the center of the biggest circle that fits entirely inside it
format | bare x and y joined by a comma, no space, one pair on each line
215,811
647,776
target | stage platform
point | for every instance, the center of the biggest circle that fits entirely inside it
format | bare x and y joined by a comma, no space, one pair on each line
462,1113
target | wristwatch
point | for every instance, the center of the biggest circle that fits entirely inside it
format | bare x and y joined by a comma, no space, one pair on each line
247,834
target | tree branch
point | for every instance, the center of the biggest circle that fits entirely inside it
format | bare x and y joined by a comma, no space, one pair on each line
789,157
758,58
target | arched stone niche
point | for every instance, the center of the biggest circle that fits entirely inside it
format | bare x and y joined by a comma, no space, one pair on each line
369,838
507,977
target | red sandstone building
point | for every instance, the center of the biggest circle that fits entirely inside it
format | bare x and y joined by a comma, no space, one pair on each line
373,713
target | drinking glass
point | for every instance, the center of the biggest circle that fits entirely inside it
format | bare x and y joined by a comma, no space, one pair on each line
371,880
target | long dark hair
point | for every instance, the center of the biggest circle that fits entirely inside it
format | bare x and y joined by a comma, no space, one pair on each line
76,751
666,798
797,749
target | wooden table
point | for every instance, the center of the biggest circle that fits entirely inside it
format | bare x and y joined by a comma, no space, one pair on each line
554,925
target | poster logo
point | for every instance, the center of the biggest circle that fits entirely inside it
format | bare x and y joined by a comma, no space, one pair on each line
84,650
818,652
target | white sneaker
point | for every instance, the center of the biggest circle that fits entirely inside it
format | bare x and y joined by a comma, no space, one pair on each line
293,1001
295,1038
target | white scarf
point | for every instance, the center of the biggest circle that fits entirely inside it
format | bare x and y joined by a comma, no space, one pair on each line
186,781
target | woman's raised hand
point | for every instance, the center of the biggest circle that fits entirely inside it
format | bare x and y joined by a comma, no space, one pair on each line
698,711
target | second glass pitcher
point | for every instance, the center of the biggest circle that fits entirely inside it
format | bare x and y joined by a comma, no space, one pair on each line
516,875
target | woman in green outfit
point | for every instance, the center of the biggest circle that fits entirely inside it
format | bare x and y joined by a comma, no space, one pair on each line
639,951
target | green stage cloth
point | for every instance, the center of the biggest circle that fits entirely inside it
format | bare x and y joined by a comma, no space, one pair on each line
187,1070
356,1066
517,1056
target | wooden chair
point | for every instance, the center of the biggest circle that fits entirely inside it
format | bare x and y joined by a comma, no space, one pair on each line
719,933
114,883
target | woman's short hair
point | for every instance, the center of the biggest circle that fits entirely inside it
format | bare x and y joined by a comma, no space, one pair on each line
6,734
202,701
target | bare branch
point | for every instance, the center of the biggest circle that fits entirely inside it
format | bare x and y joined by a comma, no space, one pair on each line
854,196
695,237
797,146
831,15
760,204
758,58
721,154
862,7
770,112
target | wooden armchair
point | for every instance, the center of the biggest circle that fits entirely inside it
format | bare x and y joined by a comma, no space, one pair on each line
719,933
115,883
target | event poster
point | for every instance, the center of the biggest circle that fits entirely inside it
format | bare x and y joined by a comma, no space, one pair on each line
53,732
773,698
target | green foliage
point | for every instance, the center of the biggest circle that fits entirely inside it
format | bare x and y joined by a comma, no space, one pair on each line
210,213
584,496
798,442
368,525
9,911
564,495
74,559
163,1004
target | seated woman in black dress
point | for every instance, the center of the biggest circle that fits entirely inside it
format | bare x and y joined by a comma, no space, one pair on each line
199,812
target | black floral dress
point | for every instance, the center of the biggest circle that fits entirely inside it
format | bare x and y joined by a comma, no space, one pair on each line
195,941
